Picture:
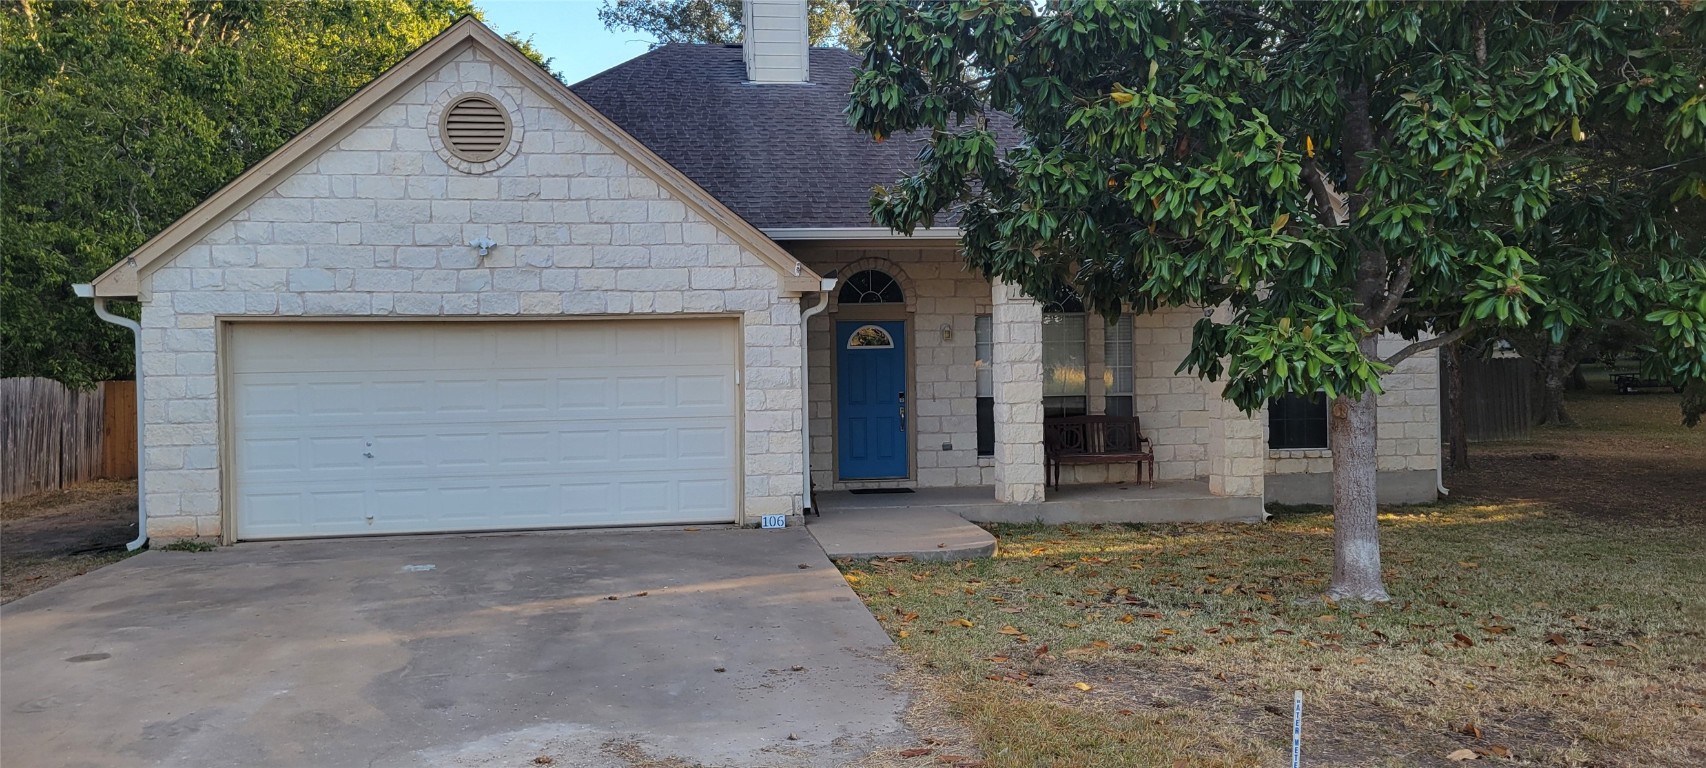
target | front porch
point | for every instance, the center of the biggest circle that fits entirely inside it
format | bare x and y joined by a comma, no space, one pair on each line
924,376
937,523
1174,501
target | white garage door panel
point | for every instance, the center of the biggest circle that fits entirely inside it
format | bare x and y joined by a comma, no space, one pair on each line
482,426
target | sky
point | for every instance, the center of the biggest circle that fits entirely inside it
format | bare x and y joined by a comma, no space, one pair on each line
566,31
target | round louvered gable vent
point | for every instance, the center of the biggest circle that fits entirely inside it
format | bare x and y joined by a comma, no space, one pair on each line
476,129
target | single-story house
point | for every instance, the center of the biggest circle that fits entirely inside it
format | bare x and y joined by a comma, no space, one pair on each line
474,298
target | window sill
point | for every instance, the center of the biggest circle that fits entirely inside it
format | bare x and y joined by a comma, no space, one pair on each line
986,461
1300,453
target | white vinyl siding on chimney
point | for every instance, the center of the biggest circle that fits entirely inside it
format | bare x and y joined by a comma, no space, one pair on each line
775,41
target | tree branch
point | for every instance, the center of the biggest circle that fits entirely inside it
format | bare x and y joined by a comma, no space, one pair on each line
1321,191
1433,343
1395,288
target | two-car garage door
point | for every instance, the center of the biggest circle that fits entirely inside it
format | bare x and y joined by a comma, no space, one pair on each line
346,428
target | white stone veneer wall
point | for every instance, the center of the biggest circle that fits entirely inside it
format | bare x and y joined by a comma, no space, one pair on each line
378,227
1176,409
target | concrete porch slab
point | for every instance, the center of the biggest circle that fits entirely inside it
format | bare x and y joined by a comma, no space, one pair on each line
922,533
1184,501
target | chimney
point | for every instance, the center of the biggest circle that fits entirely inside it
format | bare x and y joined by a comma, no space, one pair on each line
774,43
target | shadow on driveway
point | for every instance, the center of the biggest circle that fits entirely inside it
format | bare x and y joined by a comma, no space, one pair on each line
453,650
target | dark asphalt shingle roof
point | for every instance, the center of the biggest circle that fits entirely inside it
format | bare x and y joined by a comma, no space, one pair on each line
778,155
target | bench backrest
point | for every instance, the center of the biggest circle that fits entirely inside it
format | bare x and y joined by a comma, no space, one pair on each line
1078,435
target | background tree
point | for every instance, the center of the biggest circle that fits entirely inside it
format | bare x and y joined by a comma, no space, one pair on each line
1624,211
117,118
828,22
1186,154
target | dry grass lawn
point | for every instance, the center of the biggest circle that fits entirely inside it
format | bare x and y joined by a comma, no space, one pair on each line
1523,631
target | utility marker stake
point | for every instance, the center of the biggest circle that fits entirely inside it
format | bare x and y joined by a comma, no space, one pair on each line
1296,728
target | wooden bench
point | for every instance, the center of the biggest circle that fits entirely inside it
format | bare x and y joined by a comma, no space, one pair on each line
1095,440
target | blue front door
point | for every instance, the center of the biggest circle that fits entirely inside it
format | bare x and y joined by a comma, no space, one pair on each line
870,410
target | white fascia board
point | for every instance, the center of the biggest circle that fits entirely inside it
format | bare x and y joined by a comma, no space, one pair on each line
860,233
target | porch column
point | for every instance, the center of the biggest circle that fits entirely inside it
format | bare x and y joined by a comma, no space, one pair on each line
1016,326
1237,449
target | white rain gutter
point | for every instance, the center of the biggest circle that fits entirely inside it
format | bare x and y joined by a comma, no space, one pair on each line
87,291
827,285
860,233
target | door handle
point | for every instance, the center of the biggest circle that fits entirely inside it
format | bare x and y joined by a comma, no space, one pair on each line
901,397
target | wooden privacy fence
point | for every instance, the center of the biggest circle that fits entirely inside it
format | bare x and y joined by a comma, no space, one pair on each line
1499,401
52,436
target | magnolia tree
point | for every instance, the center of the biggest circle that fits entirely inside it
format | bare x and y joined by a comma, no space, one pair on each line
1324,172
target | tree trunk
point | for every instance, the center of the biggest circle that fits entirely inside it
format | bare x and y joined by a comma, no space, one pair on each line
1457,423
1356,531
1578,380
1555,366
1352,430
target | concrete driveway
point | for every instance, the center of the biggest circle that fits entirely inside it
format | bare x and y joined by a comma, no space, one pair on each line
720,649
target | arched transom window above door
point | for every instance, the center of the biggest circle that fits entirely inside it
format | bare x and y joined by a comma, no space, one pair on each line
870,337
871,287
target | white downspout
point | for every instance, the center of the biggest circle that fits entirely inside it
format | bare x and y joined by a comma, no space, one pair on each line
84,290
827,285
1439,435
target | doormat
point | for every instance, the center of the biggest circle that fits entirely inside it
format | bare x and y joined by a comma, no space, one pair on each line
881,490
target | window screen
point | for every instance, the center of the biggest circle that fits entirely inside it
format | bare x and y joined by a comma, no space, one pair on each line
985,386
1297,422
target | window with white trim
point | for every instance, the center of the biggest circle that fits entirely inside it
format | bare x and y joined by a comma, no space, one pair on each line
1297,422
1064,338
1117,364
985,343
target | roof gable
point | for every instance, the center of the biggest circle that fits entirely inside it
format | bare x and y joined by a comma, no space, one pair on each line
122,279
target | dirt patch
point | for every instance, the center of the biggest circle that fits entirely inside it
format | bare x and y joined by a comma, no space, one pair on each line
1628,459
943,741
1339,730
51,537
